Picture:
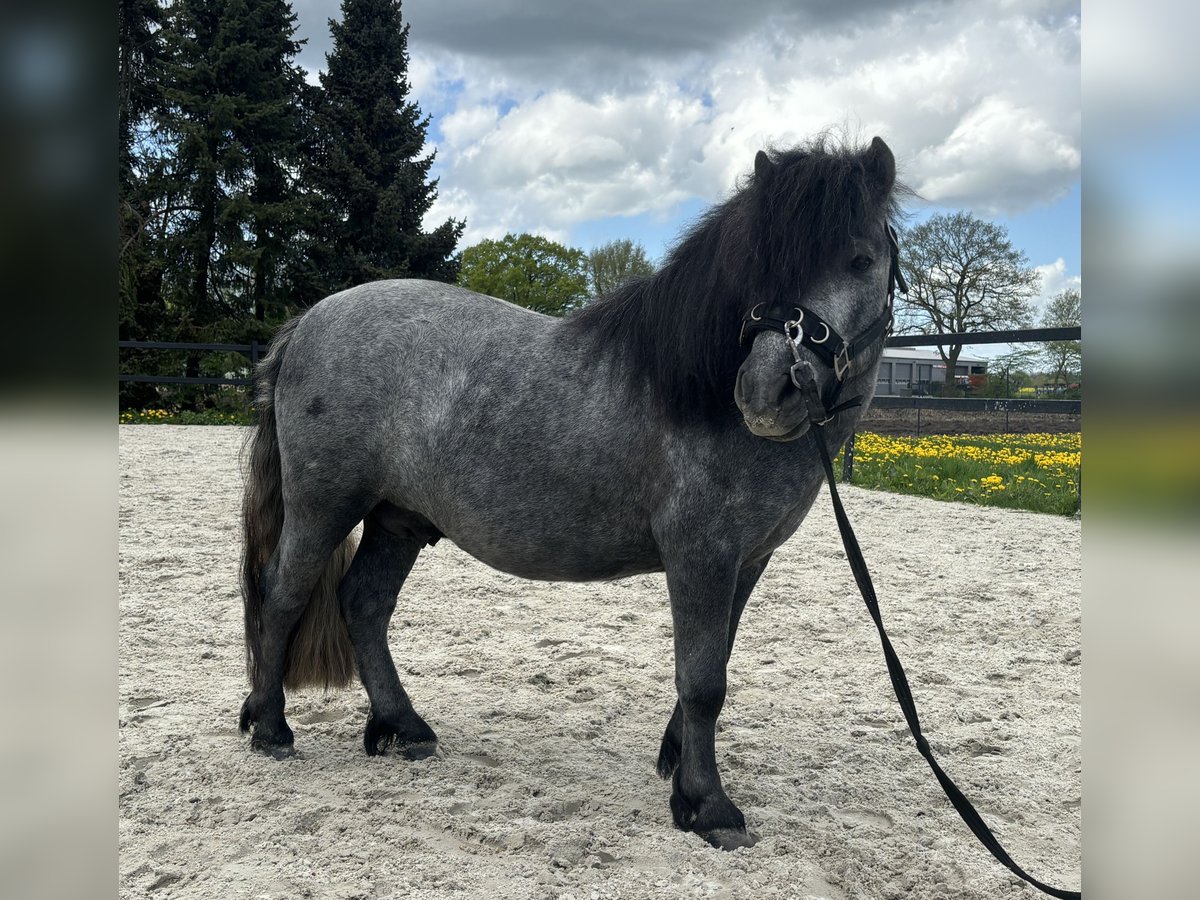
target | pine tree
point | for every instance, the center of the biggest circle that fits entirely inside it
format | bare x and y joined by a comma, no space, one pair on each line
194,124
139,64
271,131
233,117
368,166
139,57
141,313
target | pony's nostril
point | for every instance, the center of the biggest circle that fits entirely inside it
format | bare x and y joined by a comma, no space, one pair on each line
782,389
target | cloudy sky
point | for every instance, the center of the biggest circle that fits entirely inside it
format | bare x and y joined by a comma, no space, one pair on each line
588,121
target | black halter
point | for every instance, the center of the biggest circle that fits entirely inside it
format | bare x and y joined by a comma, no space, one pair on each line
803,327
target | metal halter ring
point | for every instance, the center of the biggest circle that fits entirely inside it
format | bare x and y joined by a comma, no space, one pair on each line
753,317
824,337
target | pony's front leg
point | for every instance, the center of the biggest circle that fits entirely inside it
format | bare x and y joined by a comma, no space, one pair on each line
668,752
702,594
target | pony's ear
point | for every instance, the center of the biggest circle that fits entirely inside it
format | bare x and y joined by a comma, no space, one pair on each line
763,167
881,164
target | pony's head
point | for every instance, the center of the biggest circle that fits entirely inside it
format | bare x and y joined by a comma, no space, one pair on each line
806,229
820,307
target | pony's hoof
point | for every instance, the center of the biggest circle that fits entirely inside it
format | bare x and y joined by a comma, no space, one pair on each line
729,838
421,750
411,737
273,750
714,818
276,742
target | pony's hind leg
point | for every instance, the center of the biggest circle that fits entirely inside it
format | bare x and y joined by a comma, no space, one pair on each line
304,550
368,596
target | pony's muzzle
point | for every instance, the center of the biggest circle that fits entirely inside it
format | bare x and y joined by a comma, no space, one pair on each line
770,405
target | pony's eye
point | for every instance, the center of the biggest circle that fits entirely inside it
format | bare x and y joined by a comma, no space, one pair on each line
861,263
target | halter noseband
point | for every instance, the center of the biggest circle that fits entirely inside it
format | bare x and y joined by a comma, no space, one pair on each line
808,329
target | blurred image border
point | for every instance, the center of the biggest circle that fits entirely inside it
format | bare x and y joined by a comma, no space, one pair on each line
58,442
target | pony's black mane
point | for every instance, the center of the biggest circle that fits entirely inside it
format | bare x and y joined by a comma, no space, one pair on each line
677,330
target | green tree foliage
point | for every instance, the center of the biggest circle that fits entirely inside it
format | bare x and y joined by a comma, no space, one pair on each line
141,314
232,116
368,166
611,265
245,193
139,59
1063,360
273,133
964,275
1009,372
528,270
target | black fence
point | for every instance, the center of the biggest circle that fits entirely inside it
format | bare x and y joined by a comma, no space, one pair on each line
253,351
1015,336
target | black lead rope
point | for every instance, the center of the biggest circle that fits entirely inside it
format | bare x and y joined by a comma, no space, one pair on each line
904,694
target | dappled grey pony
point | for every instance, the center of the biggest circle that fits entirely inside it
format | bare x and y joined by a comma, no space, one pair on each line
654,431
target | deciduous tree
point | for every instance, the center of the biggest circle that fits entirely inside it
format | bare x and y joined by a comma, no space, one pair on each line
1063,360
964,274
529,270
611,265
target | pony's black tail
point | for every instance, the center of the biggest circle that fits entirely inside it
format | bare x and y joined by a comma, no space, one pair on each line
319,650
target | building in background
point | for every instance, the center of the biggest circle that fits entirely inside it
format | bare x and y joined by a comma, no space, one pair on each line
920,371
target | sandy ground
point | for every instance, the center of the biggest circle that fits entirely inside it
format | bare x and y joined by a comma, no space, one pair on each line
550,700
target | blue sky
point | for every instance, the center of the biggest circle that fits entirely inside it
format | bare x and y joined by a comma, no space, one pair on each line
589,122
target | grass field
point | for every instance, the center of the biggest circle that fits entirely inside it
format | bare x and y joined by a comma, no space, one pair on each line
1038,472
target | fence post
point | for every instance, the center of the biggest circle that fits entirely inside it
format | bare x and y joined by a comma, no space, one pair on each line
253,356
848,460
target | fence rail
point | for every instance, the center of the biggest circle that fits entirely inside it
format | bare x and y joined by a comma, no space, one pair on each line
1012,336
253,350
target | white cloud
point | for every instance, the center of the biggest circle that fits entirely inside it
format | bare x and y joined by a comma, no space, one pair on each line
558,159
981,116
1055,280
999,158
548,115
